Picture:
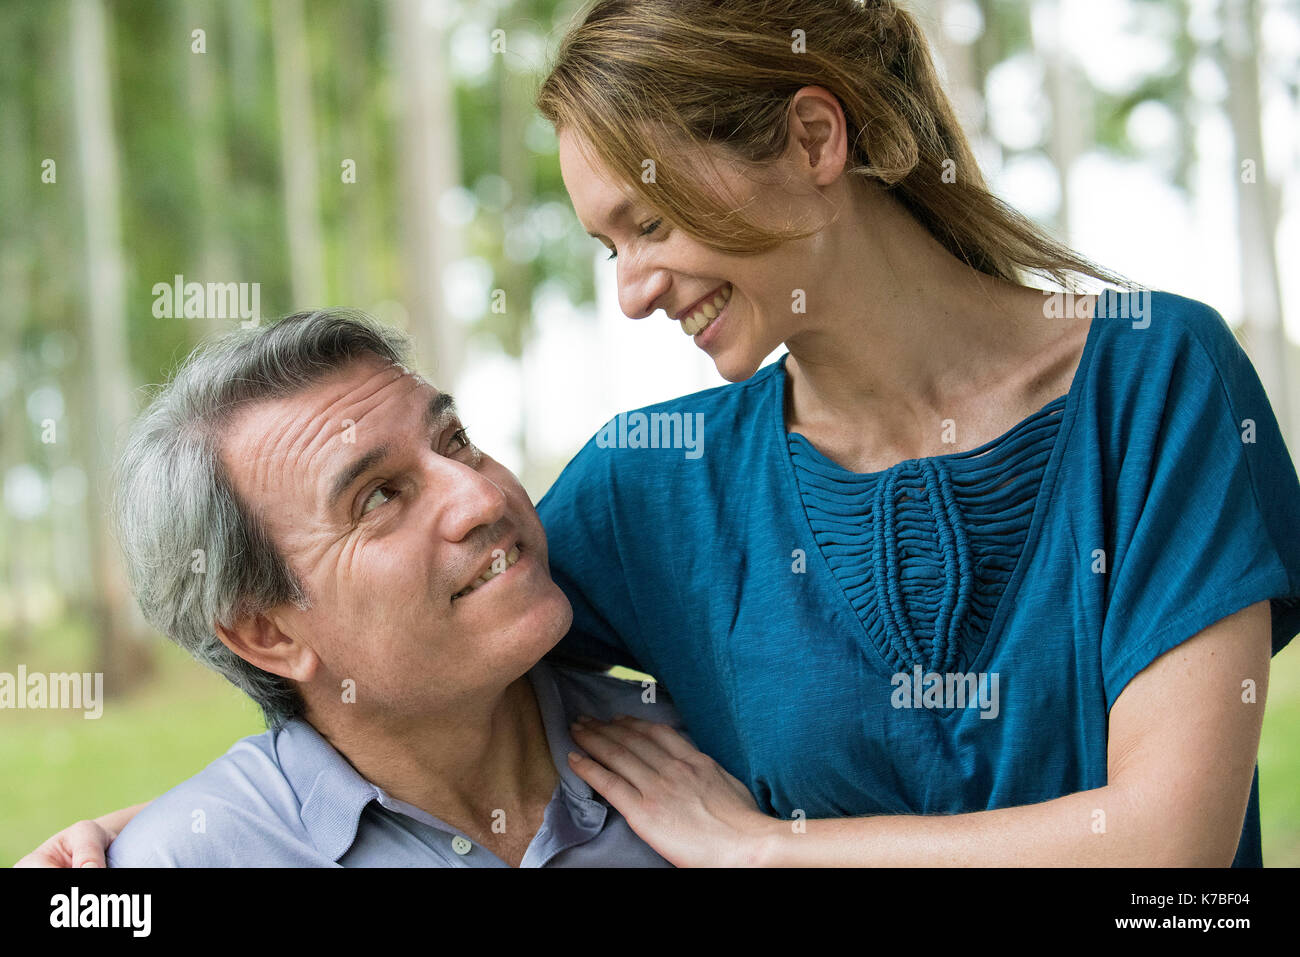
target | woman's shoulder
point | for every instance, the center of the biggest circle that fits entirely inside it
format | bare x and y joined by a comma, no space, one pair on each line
1153,351
1142,326
730,401
687,435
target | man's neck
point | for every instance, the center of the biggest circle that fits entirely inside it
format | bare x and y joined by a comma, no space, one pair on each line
474,766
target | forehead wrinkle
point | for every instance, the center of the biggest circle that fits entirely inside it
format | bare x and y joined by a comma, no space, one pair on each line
317,434
278,447
260,450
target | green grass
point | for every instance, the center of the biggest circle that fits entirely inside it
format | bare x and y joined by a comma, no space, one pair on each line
60,767
1279,762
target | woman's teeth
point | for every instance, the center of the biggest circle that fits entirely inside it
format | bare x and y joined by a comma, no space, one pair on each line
512,556
706,312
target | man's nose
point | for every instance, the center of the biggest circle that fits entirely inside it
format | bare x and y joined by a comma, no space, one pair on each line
465,498
642,286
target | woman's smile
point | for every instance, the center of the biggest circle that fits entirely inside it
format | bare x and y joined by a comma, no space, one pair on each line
704,314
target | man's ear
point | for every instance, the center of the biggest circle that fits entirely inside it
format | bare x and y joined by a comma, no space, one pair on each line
260,641
819,134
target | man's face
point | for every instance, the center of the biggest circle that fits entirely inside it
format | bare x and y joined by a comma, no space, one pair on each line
387,514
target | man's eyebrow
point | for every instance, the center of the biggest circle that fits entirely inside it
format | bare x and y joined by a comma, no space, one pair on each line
437,414
615,214
440,411
358,468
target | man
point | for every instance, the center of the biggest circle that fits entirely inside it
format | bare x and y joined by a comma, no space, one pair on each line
309,518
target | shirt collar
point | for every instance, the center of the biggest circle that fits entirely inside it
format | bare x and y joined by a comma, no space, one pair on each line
586,807
333,793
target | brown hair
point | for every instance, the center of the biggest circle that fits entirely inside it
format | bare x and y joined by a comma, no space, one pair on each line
640,79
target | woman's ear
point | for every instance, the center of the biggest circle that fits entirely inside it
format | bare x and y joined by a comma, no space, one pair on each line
259,640
818,134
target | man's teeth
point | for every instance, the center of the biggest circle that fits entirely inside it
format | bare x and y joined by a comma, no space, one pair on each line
705,313
512,556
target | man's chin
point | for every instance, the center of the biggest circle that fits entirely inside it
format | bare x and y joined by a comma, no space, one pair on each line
534,623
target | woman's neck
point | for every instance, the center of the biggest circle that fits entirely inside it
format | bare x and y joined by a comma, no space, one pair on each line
910,336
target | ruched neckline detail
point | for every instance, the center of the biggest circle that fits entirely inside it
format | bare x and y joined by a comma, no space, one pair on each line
924,550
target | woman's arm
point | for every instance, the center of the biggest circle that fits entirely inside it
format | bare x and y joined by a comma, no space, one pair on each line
83,844
1183,740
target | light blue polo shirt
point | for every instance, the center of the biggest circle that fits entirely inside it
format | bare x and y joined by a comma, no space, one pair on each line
287,798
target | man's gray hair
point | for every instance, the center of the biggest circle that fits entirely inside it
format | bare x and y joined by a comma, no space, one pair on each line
195,553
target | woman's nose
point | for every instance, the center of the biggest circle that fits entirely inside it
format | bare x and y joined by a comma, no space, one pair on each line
641,286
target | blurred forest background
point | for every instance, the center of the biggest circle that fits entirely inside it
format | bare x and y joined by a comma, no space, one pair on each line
384,154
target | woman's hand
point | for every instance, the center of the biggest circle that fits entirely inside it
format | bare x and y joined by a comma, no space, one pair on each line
677,799
83,844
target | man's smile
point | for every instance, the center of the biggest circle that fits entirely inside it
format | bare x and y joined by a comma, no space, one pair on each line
492,570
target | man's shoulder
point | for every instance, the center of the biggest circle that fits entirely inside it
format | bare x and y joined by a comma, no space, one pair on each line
239,811
602,695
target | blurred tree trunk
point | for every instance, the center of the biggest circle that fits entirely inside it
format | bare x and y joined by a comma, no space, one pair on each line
427,168
15,280
246,75
515,166
298,154
1261,292
211,166
361,198
1072,131
964,68
123,653
960,76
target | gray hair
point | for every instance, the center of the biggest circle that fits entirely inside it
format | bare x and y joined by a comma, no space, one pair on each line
195,553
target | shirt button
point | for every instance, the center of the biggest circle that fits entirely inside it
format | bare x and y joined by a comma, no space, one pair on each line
461,845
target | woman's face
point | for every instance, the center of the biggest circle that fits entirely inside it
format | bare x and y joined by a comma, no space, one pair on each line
756,300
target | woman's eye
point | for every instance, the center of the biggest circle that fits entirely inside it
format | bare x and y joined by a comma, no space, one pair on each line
375,499
613,253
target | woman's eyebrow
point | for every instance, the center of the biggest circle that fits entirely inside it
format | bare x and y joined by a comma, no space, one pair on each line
615,214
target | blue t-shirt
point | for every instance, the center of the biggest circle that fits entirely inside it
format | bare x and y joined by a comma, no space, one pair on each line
947,635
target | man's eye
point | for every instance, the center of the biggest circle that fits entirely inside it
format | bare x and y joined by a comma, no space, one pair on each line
388,493
461,436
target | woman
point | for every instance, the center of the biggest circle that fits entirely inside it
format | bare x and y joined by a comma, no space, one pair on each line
1077,510
973,575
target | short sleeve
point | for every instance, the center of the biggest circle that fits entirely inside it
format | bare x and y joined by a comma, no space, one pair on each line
578,513
1205,498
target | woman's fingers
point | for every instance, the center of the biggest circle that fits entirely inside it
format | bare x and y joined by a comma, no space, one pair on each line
631,755
81,845
613,786
665,736
87,842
